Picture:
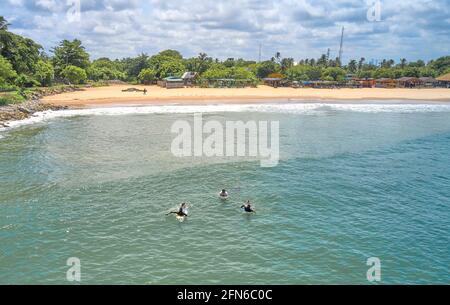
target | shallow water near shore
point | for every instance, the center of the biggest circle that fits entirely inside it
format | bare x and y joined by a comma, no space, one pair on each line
354,182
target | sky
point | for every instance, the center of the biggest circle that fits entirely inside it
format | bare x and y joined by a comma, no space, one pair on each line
374,29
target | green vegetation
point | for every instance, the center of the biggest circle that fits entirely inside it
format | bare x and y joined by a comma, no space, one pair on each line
11,98
147,76
24,64
70,53
7,73
74,75
45,73
104,69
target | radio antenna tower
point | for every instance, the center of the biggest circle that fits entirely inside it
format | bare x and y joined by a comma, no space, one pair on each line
341,49
260,51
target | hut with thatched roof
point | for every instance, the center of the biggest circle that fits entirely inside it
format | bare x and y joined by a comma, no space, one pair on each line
189,78
386,83
409,82
428,82
275,80
444,80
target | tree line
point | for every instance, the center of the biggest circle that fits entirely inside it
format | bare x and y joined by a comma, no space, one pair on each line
24,64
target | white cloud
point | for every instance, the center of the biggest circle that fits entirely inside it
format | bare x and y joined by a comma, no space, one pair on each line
235,28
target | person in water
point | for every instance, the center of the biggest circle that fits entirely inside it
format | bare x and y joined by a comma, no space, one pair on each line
248,207
182,211
145,91
224,194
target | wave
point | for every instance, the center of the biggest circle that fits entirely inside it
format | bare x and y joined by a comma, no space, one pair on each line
291,108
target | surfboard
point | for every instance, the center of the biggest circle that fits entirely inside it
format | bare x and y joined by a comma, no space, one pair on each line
223,197
180,218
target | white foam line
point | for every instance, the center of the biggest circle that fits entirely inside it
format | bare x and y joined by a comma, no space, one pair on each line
293,108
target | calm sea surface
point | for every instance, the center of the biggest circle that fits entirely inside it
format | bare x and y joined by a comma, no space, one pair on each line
354,182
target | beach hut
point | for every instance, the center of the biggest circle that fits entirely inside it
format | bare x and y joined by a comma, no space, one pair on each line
444,80
409,82
352,83
428,82
189,78
386,83
367,82
321,84
273,82
171,83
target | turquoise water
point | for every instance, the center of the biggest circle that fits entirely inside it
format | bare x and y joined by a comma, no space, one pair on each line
351,184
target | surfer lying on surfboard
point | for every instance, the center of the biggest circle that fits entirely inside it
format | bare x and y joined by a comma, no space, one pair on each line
248,207
181,212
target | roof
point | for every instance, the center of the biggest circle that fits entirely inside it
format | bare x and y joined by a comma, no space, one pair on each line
428,79
189,75
173,79
444,78
408,79
385,79
269,79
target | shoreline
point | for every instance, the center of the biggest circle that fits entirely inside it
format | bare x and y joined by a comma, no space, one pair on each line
112,96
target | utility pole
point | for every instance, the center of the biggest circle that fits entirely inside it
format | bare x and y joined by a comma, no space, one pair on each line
341,49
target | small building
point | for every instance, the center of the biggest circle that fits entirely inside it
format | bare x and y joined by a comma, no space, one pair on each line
189,78
386,83
171,83
409,82
444,81
273,82
352,83
321,84
428,82
367,82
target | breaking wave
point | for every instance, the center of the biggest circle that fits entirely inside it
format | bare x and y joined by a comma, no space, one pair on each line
291,108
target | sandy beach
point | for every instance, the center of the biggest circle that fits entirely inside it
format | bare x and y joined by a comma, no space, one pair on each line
113,95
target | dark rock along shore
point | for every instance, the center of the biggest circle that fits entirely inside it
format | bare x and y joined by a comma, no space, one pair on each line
27,109
23,111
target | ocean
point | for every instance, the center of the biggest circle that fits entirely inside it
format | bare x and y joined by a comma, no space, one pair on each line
354,182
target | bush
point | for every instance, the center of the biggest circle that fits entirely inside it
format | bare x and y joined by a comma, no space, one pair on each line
172,68
267,67
44,73
26,81
7,74
216,72
333,74
303,73
147,76
74,75
11,98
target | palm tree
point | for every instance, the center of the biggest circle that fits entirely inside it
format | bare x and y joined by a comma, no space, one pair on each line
5,37
278,57
203,60
3,24
322,61
402,63
287,63
352,66
361,63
